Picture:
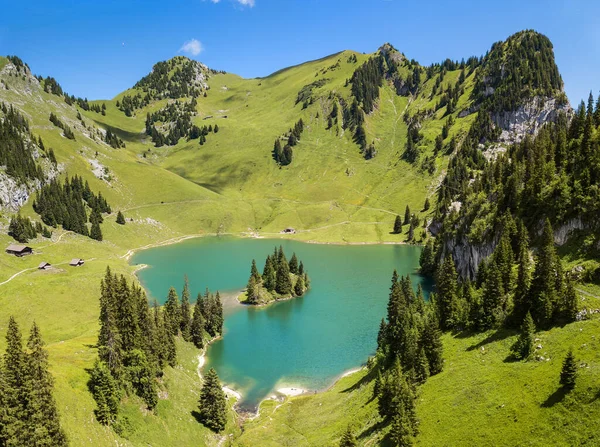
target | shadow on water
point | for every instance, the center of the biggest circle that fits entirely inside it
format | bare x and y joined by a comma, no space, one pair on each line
499,335
555,398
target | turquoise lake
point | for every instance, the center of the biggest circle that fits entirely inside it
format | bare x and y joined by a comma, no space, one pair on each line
305,342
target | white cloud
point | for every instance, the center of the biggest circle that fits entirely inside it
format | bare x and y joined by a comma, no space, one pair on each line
193,47
249,3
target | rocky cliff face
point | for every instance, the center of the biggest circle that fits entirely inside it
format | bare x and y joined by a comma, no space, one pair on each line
467,256
528,118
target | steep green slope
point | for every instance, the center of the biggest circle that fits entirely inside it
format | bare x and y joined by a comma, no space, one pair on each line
480,398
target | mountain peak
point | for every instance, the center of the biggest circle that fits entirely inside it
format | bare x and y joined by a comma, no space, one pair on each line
175,78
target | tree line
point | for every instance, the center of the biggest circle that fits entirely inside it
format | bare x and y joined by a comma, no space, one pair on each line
136,342
22,229
17,147
67,132
28,413
65,204
284,155
177,119
409,351
280,278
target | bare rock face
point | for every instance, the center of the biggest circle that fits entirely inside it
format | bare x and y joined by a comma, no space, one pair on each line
12,195
468,256
529,118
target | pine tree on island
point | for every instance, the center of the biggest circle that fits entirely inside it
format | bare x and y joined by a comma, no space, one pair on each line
280,279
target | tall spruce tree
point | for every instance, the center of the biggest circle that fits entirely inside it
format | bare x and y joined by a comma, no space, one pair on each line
105,392
407,215
185,315
172,312
293,264
568,374
197,326
348,438
447,294
212,405
16,388
283,285
523,347
269,276
42,415
109,339
544,285
397,225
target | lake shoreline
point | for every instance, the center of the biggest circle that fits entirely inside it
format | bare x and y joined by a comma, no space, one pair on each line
246,235
284,390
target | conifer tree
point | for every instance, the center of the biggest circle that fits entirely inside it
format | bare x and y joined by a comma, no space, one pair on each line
160,334
212,404
407,215
269,276
254,272
427,258
126,316
447,294
120,218
397,225
522,303
432,344
348,438
299,286
170,348
109,339
543,287
172,312
283,284
96,232
523,347
105,392
43,414
421,366
568,374
293,264
301,269
141,377
251,291
493,297
197,326
16,385
218,314
426,205
401,433
184,313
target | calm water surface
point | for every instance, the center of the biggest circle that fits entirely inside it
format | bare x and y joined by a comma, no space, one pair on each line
306,342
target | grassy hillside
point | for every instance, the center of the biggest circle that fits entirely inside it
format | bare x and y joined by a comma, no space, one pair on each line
480,398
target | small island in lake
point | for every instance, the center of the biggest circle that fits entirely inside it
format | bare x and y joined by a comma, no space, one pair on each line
280,280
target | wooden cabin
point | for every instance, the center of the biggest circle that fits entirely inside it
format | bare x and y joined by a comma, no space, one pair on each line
44,266
289,231
76,262
19,250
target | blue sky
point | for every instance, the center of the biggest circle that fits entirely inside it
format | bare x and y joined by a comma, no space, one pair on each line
96,49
